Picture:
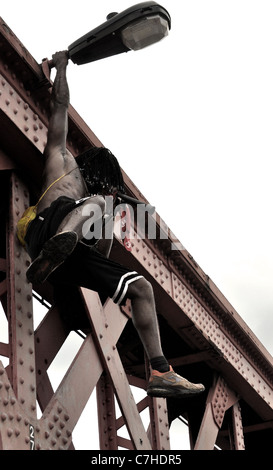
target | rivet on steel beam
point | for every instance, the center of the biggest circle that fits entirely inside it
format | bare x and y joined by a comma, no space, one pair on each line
9,432
4,417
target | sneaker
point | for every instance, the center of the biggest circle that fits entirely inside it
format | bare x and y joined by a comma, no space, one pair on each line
169,384
54,253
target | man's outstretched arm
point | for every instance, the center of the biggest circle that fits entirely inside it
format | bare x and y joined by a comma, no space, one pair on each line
58,127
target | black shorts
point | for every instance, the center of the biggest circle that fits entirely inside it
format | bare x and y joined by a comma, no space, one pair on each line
85,267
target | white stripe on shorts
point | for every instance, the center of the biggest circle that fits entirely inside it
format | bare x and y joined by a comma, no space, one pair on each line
126,288
121,290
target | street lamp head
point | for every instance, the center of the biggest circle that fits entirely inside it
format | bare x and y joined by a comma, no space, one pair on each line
135,28
145,32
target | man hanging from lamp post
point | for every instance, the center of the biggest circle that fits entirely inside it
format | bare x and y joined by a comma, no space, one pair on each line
54,236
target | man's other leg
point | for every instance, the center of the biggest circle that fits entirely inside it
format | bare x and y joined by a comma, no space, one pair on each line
75,226
164,382
144,316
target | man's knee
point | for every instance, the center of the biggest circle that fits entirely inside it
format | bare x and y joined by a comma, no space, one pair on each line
140,289
95,202
101,203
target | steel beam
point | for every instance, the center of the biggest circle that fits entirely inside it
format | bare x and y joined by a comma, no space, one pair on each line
113,365
238,432
220,398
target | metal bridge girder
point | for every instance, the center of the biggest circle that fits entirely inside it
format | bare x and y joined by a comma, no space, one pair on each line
220,399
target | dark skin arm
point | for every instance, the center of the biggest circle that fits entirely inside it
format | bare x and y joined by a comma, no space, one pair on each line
58,160
58,123
55,151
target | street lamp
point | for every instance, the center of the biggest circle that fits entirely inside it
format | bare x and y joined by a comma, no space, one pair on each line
135,28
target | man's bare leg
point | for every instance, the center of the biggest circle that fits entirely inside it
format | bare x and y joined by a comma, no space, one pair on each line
144,317
166,383
88,213
72,229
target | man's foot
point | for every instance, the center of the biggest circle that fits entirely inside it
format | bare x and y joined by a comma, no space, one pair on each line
169,384
54,253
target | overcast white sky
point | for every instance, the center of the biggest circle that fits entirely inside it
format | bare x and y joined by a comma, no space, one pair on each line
190,120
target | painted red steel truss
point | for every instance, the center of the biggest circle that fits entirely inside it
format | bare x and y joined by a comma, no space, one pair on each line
202,335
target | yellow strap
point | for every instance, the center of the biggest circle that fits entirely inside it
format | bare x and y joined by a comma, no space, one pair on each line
58,179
